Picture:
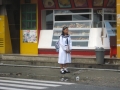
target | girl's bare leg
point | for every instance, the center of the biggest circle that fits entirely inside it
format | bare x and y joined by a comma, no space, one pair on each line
61,65
62,69
65,68
65,65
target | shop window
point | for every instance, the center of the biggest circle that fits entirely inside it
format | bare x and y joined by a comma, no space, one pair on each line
110,24
47,20
110,17
109,10
28,16
72,11
81,17
97,18
63,18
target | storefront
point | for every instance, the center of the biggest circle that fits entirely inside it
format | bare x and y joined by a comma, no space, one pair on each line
90,22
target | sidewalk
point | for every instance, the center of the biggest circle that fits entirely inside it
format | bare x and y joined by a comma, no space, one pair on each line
54,58
89,77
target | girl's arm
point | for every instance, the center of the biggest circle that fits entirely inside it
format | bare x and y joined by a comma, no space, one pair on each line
70,46
61,43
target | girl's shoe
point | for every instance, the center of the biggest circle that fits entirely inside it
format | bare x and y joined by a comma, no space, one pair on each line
62,71
66,71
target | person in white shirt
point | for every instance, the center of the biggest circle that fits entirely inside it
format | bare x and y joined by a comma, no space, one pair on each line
65,50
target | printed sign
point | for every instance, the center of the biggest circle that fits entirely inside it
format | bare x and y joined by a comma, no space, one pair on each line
64,3
80,3
97,3
118,20
30,36
111,3
49,3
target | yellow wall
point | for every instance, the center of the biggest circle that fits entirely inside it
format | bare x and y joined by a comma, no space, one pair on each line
5,41
29,48
118,28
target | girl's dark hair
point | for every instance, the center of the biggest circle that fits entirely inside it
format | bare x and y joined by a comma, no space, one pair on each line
63,30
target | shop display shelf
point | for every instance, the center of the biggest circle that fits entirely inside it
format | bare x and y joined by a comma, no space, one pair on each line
72,24
112,34
72,35
72,13
80,40
73,40
78,29
73,29
80,47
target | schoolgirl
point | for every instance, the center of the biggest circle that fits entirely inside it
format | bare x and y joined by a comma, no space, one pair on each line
64,50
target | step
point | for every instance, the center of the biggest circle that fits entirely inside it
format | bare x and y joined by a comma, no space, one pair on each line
77,62
54,58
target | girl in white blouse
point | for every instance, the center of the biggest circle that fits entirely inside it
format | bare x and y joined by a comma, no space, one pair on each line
64,50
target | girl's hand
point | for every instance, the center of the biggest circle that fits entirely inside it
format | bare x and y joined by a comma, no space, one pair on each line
68,51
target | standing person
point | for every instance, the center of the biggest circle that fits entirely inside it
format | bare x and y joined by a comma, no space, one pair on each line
64,50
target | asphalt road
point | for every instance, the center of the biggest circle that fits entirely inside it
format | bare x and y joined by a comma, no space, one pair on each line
31,84
88,79
83,87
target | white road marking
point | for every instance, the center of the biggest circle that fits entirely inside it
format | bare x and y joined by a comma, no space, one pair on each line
21,86
37,81
28,83
9,88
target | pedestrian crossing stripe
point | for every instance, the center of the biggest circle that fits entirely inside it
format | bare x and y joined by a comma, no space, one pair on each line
9,88
33,80
21,86
7,83
29,83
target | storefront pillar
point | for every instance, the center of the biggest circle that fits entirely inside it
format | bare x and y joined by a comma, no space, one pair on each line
118,27
5,40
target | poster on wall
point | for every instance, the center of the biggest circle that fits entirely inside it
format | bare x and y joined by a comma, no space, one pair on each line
98,3
118,19
48,3
111,3
80,3
29,36
64,3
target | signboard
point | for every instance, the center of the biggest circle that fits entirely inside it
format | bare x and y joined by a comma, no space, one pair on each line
111,3
98,3
48,3
80,3
64,3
